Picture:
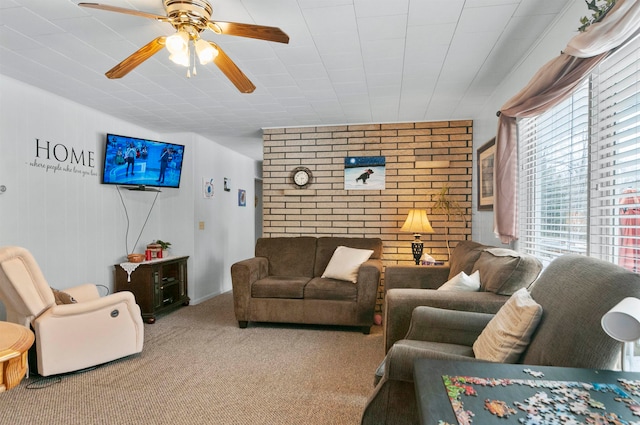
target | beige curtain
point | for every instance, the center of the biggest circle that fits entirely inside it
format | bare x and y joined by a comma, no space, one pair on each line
554,82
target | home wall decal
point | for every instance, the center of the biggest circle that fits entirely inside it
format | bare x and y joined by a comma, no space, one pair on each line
54,157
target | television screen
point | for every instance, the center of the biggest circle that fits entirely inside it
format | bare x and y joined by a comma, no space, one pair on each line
141,162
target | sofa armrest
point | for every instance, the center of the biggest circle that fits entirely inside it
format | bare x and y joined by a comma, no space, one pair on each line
244,274
370,271
447,326
399,305
417,277
367,284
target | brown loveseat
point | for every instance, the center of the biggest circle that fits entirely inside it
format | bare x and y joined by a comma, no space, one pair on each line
283,283
502,272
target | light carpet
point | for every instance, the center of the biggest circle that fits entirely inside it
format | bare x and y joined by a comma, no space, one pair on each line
198,367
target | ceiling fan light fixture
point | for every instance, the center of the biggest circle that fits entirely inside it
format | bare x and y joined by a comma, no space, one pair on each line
205,51
178,42
181,58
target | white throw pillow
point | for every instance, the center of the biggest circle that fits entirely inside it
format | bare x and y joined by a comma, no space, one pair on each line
462,282
345,262
509,332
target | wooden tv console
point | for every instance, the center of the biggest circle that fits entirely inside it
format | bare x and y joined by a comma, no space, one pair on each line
159,285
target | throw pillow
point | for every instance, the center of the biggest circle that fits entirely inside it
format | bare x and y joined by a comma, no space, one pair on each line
509,332
345,262
462,282
62,297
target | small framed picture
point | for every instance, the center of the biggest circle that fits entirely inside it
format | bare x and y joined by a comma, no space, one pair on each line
242,198
227,185
486,184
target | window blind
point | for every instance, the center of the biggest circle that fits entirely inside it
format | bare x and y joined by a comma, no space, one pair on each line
615,158
553,179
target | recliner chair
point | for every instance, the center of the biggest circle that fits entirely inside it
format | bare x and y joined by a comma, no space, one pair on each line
69,337
574,291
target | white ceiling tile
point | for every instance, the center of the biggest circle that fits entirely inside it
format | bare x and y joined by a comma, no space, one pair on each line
365,8
485,19
426,12
382,27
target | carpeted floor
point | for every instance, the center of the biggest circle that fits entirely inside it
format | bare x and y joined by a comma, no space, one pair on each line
198,367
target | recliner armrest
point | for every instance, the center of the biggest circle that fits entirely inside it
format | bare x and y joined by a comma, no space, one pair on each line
82,293
448,326
399,305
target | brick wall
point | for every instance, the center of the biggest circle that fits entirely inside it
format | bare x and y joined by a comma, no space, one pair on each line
421,158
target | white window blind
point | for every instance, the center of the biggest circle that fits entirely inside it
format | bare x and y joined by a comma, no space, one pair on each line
615,156
553,179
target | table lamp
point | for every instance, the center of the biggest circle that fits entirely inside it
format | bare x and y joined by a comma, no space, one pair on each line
622,323
417,223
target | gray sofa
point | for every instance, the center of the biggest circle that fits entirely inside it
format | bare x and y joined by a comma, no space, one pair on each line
283,283
574,291
502,271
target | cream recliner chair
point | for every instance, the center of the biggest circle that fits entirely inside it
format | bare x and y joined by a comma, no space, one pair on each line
69,337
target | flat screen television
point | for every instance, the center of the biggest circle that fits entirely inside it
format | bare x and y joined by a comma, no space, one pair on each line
139,163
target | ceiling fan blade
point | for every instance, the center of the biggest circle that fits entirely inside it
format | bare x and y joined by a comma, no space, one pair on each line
231,70
248,30
123,10
139,56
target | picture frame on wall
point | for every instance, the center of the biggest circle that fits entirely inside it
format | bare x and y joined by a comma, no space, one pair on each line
486,181
364,173
242,198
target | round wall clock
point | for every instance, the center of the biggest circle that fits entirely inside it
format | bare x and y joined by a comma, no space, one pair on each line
301,176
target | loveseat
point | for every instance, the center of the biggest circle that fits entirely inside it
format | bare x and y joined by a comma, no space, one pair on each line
284,282
501,271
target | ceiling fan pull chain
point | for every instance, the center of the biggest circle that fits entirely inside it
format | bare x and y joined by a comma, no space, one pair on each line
189,61
194,64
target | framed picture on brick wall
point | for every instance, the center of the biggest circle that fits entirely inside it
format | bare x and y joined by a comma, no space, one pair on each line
486,186
364,173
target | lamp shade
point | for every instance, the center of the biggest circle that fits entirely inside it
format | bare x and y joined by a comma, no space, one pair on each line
417,222
622,322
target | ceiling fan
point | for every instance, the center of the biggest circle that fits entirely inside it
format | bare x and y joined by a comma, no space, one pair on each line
190,18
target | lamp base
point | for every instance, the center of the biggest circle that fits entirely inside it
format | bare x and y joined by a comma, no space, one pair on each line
416,248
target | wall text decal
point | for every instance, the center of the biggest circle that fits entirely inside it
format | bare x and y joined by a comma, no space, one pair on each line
54,157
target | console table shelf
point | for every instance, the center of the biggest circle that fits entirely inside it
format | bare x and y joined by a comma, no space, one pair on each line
158,285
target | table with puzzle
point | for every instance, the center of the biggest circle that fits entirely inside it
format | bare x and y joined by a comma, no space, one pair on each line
478,393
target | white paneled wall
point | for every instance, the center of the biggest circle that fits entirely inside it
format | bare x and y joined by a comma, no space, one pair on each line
75,226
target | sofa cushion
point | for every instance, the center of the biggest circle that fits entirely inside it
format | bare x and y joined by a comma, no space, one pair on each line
320,288
504,271
288,256
327,245
462,282
279,287
463,257
345,262
508,334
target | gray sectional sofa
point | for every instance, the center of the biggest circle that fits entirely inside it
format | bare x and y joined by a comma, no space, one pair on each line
283,283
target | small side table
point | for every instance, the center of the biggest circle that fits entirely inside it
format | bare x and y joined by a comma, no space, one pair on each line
15,341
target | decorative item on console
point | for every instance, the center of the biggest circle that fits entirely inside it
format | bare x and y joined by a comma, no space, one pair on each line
155,249
135,258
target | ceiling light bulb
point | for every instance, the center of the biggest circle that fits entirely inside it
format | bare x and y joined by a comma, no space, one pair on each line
206,52
177,42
